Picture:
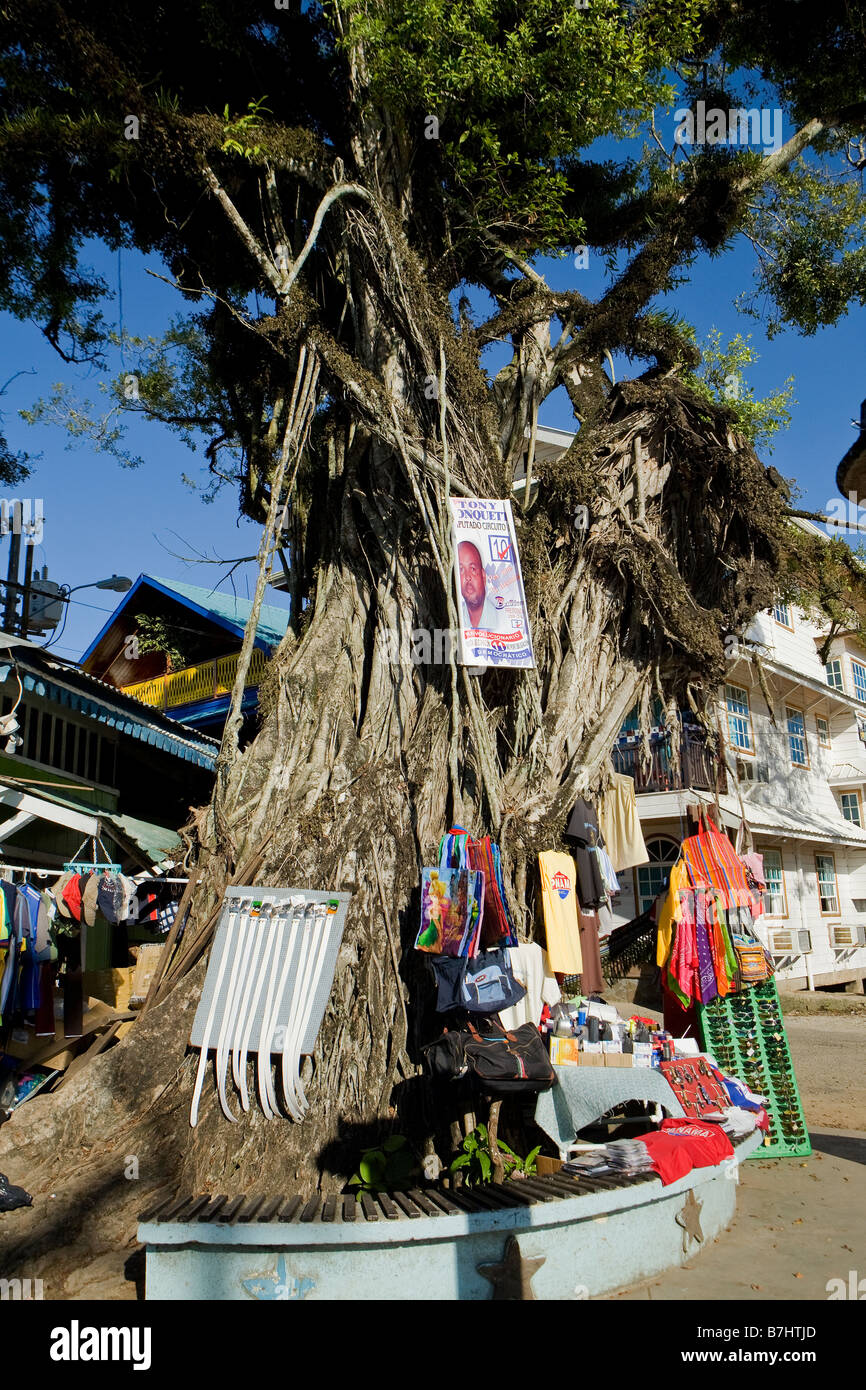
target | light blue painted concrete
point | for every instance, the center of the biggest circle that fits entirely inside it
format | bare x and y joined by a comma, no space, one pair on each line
590,1245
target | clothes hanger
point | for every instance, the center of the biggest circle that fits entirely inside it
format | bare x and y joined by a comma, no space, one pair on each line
77,864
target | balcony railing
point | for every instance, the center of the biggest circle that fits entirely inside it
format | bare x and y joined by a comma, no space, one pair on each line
206,681
696,766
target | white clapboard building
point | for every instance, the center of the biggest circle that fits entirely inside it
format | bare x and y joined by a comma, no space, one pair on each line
788,780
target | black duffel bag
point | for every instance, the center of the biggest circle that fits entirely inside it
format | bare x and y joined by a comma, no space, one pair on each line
514,1060
501,1061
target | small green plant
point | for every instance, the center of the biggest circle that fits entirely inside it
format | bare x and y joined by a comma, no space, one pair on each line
236,131
390,1168
476,1163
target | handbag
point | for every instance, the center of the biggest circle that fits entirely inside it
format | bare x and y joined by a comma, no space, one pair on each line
451,906
457,849
483,985
509,1061
446,1056
752,963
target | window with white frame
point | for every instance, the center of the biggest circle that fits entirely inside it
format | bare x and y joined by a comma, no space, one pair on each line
823,727
782,614
653,878
775,902
739,718
797,736
825,868
851,807
858,670
834,674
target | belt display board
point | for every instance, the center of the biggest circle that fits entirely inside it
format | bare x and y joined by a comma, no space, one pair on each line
268,980
746,1035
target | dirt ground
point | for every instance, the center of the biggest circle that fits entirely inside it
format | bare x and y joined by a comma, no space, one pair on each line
800,1223
829,1056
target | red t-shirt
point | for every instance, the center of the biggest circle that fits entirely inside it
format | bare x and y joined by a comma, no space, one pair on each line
671,1157
708,1144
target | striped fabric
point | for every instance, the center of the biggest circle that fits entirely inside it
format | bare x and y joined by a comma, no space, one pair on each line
712,862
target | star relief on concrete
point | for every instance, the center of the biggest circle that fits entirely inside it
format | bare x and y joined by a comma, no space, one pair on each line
512,1279
690,1220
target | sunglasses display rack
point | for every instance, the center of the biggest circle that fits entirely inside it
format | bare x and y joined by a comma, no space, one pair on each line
746,1035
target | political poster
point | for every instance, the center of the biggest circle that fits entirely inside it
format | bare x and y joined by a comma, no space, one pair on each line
494,625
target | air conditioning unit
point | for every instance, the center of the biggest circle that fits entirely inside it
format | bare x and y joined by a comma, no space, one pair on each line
748,770
845,937
790,943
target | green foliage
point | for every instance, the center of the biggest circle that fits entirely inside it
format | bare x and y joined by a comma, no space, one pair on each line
238,129
390,1168
809,232
156,634
476,1164
518,88
721,378
827,576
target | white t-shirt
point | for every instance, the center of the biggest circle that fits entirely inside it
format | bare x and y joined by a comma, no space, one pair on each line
531,967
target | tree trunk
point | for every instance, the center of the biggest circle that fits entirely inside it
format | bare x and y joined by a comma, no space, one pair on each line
349,785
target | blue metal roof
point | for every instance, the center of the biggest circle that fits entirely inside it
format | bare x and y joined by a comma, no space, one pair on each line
200,749
225,610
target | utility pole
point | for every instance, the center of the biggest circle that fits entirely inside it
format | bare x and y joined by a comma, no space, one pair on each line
28,577
10,609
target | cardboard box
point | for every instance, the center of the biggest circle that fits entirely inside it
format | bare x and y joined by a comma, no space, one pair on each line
113,987
590,1059
148,960
546,1166
618,1059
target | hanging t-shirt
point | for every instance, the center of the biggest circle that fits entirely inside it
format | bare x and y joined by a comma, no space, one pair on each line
591,976
619,824
530,965
671,911
582,829
559,904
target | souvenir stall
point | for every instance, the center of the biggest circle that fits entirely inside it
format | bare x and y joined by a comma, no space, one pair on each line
69,948
514,1020
717,973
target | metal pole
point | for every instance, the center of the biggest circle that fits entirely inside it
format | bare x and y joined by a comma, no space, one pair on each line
28,578
10,610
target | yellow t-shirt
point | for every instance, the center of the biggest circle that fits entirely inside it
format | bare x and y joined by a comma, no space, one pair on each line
559,901
670,911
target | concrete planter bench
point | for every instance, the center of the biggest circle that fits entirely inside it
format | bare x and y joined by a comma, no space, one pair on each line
545,1238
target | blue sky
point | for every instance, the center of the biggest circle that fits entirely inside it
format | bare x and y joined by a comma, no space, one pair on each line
101,518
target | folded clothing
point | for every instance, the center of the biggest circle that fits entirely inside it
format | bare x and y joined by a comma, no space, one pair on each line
669,1156
707,1143
738,1121
629,1156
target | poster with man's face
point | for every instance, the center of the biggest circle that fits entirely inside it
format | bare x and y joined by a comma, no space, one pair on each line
494,626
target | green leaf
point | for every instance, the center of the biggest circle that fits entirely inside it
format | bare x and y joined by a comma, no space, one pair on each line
372,1167
394,1142
462,1162
486,1165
